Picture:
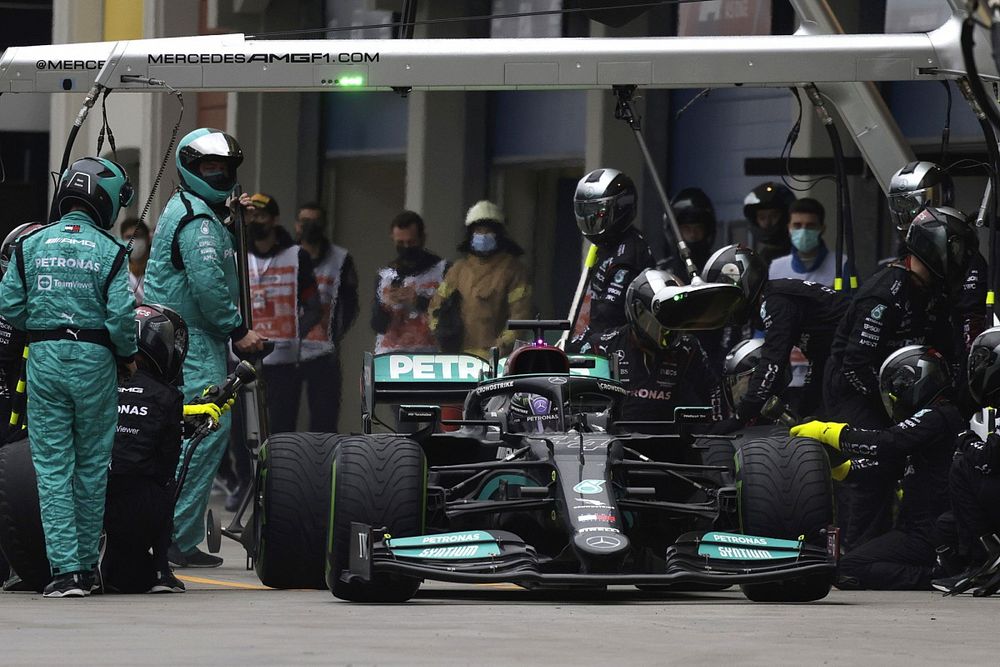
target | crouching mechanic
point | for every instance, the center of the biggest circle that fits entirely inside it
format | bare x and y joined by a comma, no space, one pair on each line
68,289
915,384
140,503
792,313
661,369
974,482
192,270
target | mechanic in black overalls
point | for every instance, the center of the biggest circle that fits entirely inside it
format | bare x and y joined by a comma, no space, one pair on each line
919,185
791,313
661,369
12,341
915,386
151,419
903,304
974,482
605,204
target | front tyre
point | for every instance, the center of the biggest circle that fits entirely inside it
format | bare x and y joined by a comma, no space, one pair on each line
784,491
381,481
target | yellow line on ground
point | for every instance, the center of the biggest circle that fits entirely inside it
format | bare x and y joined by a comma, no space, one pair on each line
217,582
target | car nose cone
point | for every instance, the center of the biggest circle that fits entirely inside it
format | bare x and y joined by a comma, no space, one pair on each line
601,544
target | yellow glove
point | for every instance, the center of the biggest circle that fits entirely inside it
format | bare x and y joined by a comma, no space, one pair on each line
209,410
211,393
840,472
826,432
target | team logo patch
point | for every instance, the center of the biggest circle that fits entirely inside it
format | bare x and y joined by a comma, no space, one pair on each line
204,226
877,312
72,229
620,276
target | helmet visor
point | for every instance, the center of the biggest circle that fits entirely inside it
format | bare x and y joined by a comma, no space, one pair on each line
593,216
735,387
904,206
649,327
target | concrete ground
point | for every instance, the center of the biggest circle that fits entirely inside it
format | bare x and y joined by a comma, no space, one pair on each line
227,617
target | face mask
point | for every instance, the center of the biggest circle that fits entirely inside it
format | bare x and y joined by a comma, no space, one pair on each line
408,253
483,244
140,247
805,240
257,231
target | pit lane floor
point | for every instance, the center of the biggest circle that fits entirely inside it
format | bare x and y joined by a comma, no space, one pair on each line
227,618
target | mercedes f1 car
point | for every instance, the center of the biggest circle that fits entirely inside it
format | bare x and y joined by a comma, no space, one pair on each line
539,483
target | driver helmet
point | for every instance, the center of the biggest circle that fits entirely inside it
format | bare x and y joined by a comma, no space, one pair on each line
97,184
204,144
640,308
738,368
984,368
916,186
531,413
740,266
9,243
604,204
162,339
945,243
910,379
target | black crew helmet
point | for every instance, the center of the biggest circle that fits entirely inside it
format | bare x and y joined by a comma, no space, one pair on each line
740,266
984,368
769,195
162,338
738,368
98,185
604,203
916,186
911,378
641,305
9,242
942,239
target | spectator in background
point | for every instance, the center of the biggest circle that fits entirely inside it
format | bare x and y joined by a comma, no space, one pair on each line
766,209
404,288
337,280
285,304
809,259
483,289
135,230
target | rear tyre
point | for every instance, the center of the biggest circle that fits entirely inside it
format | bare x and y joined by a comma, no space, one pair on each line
381,481
290,511
785,491
21,535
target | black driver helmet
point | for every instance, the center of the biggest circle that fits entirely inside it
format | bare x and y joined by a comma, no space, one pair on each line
984,368
911,378
162,339
943,241
531,413
916,186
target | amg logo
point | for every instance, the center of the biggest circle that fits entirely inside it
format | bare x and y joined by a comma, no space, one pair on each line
263,58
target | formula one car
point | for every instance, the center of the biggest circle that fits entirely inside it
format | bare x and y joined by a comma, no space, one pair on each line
541,484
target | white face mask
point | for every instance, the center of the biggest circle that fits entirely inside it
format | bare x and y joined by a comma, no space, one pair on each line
140,248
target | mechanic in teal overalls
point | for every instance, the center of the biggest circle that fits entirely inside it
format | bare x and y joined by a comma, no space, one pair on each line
68,288
192,269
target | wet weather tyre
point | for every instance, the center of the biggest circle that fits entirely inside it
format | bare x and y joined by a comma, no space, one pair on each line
21,535
720,452
290,512
381,481
784,491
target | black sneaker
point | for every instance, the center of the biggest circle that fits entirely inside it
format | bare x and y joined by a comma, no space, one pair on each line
946,584
15,583
193,558
166,582
93,581
68,585
175,556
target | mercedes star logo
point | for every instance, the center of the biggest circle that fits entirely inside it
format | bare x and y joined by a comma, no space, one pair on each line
604,542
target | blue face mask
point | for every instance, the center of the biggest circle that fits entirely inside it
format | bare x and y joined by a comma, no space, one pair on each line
483,244
805,240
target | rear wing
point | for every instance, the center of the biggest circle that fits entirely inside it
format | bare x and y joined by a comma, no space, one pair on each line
405,377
